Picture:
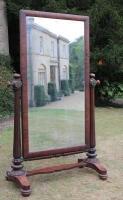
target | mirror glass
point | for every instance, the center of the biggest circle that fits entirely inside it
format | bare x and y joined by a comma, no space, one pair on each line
56,86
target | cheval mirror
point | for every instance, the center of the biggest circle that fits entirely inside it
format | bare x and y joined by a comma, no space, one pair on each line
54,95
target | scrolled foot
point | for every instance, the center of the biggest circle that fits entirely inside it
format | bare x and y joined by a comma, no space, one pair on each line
25,193
20,178
94,164
103,176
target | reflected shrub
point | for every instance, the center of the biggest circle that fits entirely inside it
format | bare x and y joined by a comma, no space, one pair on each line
39,95
52,91
65,87
72,85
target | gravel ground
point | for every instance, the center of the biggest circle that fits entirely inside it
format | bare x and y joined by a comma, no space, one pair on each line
73,102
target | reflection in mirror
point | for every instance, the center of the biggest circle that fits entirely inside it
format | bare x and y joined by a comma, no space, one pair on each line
55,70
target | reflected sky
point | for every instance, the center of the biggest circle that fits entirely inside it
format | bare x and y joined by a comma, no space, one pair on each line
67,28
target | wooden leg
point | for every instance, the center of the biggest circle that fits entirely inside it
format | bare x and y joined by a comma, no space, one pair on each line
92,162
17,174
20,178
95,164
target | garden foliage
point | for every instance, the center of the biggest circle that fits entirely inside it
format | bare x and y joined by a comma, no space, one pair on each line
6,93
106,37
107,48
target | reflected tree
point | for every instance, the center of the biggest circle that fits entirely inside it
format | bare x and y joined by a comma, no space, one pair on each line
77,63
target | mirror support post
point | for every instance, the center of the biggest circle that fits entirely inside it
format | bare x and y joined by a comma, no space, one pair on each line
17,174
17,161
92,151
91,161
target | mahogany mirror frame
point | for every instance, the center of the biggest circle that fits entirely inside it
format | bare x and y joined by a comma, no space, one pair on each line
17,173
23,67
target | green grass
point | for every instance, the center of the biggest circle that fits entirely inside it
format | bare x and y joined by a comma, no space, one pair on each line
55,128
74,184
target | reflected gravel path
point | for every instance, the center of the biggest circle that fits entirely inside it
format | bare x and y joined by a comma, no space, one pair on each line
73,102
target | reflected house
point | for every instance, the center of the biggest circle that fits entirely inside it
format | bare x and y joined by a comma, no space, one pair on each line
48,58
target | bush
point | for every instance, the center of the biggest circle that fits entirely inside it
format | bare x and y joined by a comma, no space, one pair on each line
111,79
65,87
52,91
72,85
39,95
6,93
107,92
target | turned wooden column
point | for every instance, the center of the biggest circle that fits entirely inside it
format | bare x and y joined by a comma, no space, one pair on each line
17,174
91,161
92,151
17,159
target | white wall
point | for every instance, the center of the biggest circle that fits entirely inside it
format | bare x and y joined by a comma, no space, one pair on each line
64,58
63,54
4,47
46,58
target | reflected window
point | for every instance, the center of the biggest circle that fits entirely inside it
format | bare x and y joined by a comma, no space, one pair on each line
52,74
65,73
41,45
52,49
67,52
64,51
42,76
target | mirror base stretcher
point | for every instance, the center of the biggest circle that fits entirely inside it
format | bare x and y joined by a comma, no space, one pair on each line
20,177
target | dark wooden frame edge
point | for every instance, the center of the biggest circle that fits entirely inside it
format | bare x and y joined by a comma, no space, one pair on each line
23,66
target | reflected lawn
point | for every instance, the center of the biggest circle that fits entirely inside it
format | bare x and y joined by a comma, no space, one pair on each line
55,128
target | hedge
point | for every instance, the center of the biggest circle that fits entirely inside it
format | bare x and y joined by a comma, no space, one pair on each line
39,95
52,91
65,87
6,93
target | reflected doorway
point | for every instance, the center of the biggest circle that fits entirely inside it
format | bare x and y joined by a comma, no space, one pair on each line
52,74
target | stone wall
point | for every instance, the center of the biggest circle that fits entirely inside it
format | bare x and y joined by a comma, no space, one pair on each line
4,47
